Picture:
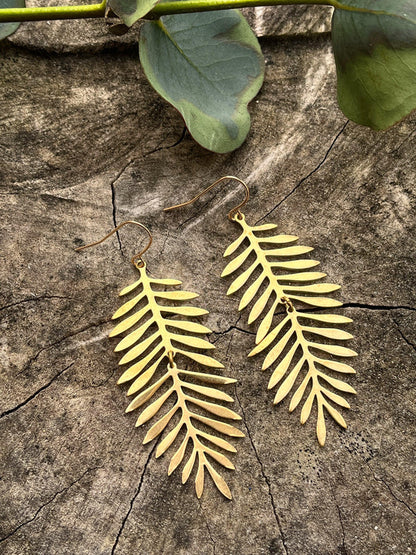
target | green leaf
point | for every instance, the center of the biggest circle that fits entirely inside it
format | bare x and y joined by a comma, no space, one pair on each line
7,29
375,54
209,66
131,10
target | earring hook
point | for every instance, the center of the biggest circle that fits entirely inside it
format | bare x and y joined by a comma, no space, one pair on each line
233,212
136,260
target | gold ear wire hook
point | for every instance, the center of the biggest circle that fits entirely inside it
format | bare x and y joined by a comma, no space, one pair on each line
136,260
233,212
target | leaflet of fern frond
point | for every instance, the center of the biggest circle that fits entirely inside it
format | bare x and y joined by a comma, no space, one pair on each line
218,441
270,337
325,318
160,425
130,288
222,427
301,264
175,295
338,384
283,366
242,278
251,291
144,379
209,378
319,302
147,394
334,349
168,439
278,239
208,391
187,469
335,398
307,407
126,307
302,276
199,479
335,414
165,281
264,227
139,349
192,327
234,245
134,336
220,458
320,426
297,396
289,251
154,408
330,333
184,310
260,305
336,366
219,481
205,360
287,384
178,456
266,323
129,322
218,410
236,262
321,288
277,349
191,341
134,370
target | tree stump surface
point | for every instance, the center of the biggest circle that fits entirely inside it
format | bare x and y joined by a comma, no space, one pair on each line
86,143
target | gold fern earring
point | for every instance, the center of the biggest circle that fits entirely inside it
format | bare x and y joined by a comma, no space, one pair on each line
282,274
163,337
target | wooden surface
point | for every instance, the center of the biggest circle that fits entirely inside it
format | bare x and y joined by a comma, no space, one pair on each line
85,143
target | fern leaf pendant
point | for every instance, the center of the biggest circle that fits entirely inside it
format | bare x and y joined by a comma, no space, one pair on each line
276,273
155,343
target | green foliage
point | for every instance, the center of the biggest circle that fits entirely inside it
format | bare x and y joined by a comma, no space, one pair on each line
129,11
7,29
375,54
209,66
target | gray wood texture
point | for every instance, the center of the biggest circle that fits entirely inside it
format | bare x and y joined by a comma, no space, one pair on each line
86,143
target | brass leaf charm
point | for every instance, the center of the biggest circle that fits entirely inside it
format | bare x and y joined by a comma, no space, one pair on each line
164,339
289,344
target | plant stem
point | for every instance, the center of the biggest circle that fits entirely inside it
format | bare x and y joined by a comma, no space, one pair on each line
8,15
187,6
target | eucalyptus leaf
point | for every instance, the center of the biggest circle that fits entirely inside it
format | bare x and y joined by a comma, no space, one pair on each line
129,11
375,54
209,66
7,29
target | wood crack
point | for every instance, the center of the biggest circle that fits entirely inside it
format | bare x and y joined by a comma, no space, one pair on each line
411,345
36,393
132,500
59,341
377,306
265,477
34,299
317,168
219,334
208,528
387,486
176,143
51,500
113,200
341,522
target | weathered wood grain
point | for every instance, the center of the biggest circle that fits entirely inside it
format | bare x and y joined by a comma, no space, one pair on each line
86,143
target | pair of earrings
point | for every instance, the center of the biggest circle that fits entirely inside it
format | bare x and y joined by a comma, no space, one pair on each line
161,333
